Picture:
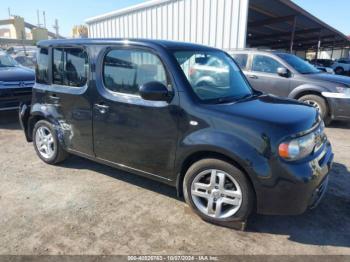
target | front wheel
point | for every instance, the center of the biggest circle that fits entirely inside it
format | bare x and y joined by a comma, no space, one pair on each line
46,143
218,191
339,71
320,104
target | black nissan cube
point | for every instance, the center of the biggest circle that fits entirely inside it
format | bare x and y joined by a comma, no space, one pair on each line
137,105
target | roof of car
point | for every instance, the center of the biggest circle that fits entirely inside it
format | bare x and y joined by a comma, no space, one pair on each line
257,51
99,41
253,50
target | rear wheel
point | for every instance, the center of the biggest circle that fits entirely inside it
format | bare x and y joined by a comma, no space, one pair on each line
320,104
218,192
46,143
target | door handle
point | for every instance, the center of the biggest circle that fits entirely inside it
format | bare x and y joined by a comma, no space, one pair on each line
253,76
102,108
54,98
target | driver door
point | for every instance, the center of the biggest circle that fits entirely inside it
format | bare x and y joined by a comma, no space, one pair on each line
263,76
128,130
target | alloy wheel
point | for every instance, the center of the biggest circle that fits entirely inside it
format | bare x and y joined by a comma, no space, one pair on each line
216,193
314,104
44,142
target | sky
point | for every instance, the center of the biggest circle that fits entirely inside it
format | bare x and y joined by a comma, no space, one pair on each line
74,12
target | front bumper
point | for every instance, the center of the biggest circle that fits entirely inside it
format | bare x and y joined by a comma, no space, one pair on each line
301,185
11,98
340,105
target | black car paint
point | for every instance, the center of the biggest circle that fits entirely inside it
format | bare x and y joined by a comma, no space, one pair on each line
160,140
296,84
16,86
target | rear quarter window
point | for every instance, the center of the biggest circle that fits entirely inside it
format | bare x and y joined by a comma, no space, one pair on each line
42,66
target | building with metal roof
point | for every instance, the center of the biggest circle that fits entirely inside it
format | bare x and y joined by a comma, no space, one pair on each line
226,24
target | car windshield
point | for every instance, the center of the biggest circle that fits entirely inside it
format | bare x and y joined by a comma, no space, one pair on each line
299,64
7,61
213,76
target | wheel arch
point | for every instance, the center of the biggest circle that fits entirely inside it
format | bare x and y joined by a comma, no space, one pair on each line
312,90
36,117
31,123
204,154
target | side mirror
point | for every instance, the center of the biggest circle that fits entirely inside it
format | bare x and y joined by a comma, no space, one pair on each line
282,71
155,91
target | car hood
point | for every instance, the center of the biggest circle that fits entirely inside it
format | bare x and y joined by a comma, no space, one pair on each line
17,73
289,116
337,79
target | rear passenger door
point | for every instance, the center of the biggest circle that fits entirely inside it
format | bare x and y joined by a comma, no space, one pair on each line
241,60
263,76
69,96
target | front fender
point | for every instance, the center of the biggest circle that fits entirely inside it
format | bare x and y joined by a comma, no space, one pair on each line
234,147
307,88
314,89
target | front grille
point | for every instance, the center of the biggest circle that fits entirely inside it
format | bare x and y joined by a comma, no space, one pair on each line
15,92
16,84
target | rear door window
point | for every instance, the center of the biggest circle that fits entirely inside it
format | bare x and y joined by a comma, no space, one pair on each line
70,67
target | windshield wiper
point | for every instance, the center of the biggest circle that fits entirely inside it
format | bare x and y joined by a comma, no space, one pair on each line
224,100
246,96
311,73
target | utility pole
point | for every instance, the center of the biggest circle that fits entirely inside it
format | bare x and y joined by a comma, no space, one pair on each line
56,27
293,34
38,17
9,10
44,15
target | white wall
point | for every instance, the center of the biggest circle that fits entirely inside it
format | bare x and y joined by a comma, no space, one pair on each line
219,23
327,54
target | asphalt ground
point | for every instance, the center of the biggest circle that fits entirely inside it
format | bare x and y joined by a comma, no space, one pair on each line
81,207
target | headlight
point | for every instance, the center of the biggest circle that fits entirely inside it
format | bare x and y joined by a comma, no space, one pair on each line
343,90
297,148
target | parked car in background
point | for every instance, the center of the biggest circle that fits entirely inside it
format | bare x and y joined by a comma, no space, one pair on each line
209,71
27,59
323,65
342,66
16,83
287,75
135,105
13,50
322,62
328,70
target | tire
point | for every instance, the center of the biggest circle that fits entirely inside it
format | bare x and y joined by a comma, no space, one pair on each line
320,104
51,152
339,71
229,213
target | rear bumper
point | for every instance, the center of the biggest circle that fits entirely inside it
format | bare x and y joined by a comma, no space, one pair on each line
23,115
299,187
